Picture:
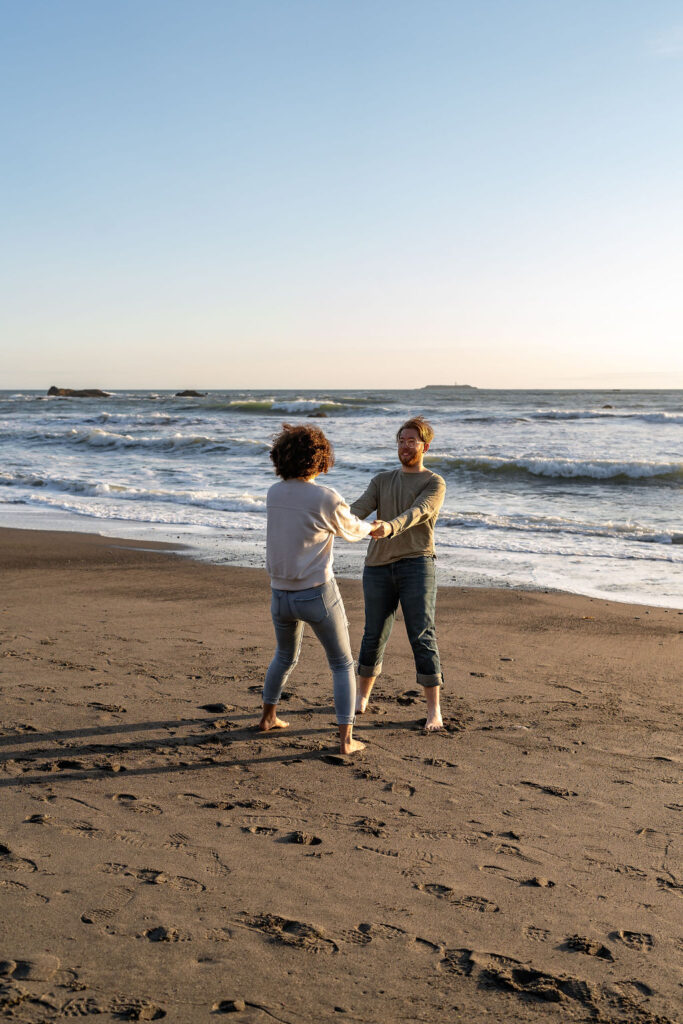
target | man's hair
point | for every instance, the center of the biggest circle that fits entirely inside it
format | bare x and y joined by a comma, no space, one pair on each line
301,451
421,425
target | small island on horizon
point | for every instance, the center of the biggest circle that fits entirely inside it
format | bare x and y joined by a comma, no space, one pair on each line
448,387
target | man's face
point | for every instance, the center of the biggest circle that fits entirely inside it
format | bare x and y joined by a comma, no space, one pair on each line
410,447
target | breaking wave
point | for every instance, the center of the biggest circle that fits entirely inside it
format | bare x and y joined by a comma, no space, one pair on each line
561,469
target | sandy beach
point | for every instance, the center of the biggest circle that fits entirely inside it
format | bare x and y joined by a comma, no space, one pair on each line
161,859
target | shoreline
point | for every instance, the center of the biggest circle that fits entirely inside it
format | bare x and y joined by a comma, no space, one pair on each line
154,846
141,537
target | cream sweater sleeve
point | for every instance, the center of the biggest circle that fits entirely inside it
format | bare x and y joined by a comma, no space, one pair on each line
344,524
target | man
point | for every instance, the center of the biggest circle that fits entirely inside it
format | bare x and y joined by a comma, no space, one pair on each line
399,566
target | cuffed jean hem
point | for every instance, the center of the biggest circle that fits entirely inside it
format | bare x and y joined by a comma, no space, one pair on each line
428,681
368,671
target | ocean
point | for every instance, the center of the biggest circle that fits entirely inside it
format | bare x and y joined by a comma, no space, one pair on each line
579,491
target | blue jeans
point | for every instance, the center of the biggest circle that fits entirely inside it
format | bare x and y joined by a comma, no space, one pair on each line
323,609
412,582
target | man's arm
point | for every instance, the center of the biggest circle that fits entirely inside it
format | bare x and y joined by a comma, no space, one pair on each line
427,506
367,502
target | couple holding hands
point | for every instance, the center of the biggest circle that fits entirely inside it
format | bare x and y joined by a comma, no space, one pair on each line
303,519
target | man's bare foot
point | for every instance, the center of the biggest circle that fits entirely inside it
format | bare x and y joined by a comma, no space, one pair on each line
271,722
351,746
363,691
434,721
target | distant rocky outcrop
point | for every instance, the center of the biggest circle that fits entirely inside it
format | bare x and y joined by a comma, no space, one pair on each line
448,387
317,415
78,393
190,394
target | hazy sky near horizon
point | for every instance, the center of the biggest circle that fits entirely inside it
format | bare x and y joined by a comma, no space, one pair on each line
347,193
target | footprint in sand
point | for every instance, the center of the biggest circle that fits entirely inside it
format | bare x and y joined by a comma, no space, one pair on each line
135,1009
407,698
134,804
115,900
290,933
151,876
377,850
371,826
9,887
10,862
177,841
442,892
163,934
492,971
41,967
537,934
301,839
337,759
82,828
580,944
402,788
367,931
259,830
510,850
642,941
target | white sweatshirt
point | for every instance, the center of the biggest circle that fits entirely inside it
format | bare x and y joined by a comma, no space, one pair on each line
303,520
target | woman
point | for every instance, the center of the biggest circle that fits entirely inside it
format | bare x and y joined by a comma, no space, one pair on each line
303,520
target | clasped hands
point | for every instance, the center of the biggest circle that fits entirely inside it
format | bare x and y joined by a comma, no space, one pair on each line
380,529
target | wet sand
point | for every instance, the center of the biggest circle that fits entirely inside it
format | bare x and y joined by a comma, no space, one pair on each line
160,858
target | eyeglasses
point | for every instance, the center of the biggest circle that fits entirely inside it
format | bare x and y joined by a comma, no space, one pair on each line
409,442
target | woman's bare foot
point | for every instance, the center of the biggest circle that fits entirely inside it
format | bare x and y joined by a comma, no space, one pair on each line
347,744
351,746
269,719
434,723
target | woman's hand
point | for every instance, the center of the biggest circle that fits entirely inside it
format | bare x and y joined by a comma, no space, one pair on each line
380,529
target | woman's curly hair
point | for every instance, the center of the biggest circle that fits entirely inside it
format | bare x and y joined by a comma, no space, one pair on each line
301,451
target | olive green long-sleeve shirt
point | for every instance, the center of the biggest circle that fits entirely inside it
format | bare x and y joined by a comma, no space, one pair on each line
410,504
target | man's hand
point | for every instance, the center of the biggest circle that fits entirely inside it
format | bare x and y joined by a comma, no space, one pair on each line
380,529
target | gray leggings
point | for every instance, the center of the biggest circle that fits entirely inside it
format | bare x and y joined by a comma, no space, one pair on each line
323,608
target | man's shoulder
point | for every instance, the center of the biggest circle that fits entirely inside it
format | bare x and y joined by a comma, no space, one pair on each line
386,476
437,479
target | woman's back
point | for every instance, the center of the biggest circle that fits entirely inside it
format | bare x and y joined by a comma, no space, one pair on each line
303,520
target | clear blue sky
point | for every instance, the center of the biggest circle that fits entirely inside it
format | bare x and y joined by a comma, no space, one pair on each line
278,193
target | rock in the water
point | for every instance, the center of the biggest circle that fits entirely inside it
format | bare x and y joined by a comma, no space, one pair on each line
78,393
317,415
190,394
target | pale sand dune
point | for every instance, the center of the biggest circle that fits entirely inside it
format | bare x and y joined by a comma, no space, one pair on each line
160,858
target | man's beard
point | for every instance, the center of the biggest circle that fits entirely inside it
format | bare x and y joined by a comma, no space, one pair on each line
409,458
